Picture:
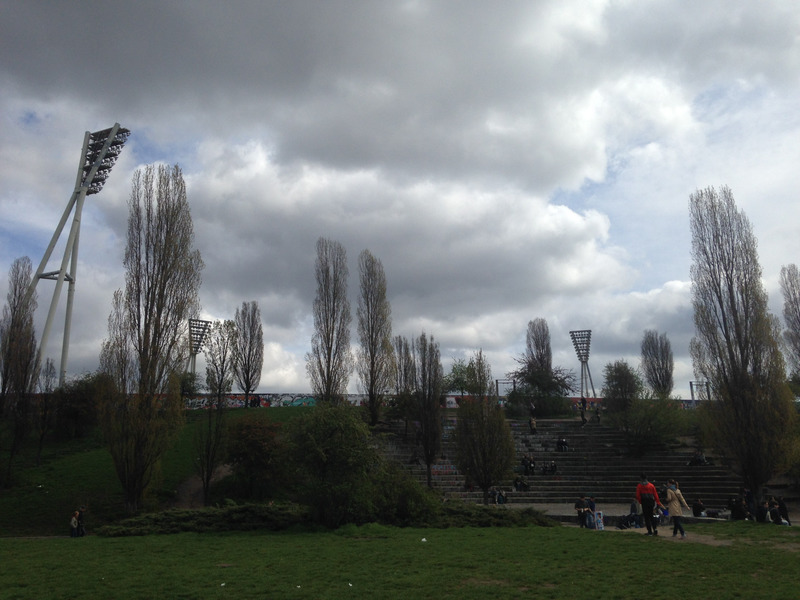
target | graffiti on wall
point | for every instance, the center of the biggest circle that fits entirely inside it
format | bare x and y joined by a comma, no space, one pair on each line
256,400
267,400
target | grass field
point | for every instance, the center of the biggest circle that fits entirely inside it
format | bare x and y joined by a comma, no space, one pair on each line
37,560
733,560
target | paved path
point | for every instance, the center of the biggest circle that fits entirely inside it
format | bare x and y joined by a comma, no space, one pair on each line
560,510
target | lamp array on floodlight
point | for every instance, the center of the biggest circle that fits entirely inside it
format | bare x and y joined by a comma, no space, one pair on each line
198,329
100,152
582,340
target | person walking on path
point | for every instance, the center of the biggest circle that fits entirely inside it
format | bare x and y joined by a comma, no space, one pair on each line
674,502
647,496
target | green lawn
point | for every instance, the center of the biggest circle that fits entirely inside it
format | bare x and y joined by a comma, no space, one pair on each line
755,561
722,560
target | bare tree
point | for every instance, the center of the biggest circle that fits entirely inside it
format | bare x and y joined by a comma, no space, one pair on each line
18,356
405,375
735,346
538,354
790,286
429,374
622,385
536,376
657,362
329,363
220,351
405,379
484,444
375,359
17,335
145,352
44,405
249,356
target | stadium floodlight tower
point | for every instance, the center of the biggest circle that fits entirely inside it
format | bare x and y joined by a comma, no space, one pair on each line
98,156
198,329
582,339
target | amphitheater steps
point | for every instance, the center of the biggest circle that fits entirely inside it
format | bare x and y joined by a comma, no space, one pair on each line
594,464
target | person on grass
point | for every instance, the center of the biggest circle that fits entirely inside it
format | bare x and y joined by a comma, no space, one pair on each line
647,496
674,502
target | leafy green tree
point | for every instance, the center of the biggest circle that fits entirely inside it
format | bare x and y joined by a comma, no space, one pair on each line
649,422
457,380
735,347
622,386
257,453
336,463
77,412
484,444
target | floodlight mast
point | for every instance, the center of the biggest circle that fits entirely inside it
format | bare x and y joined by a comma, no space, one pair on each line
98,156
700,390
582,339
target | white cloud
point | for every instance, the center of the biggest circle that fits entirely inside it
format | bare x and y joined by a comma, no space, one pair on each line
504,164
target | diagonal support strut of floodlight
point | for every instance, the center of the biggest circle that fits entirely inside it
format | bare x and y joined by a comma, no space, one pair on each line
582,340
98,156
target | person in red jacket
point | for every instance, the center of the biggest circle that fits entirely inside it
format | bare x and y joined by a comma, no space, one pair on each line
647,496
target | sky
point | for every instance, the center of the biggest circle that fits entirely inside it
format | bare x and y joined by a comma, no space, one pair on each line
504,161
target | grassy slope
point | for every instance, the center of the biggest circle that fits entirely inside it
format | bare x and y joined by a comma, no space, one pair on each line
82,473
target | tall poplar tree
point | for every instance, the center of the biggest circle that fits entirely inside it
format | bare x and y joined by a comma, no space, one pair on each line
330,363
375,358
484,443
145,353
249,350
19,362
657,363
428,389
735,347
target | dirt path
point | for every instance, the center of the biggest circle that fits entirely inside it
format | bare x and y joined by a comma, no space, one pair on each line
190,491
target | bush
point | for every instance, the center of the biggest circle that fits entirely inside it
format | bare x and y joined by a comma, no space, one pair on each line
256,452
648,423
400,499
76,414
335,464
272,517
518,406
283,516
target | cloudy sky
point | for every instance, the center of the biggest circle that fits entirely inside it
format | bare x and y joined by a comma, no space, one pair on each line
505,161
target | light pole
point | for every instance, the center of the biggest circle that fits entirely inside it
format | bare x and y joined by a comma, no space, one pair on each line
98,156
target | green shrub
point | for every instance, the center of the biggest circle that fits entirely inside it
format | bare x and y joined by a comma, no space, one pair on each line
648,424
271,517
518,406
